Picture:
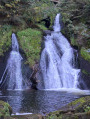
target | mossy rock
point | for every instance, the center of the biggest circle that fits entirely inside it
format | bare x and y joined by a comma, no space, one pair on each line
80,104
30,43
32,116
5,109
85,53
74,110
41,27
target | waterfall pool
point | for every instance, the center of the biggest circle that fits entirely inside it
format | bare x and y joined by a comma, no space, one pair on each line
41,101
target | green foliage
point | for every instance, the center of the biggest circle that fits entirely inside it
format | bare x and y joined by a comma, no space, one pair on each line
76,20
36,11
41,26
85,53
5,109
52,117
39,10
30,42
5,38
85,72
73,41
87,109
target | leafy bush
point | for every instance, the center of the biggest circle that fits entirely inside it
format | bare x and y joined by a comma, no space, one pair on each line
38,10
87,109
76,21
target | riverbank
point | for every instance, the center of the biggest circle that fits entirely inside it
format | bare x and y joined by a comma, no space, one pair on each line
78,109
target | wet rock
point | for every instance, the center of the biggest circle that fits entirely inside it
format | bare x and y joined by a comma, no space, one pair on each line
84,79
3,63
32,116
84,64
33,77
47,32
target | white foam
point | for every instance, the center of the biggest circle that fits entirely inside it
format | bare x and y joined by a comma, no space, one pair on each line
22,114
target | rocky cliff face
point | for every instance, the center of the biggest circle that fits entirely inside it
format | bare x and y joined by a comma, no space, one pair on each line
3,63
85,73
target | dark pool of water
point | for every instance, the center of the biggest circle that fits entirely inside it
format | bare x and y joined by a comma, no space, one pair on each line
37,101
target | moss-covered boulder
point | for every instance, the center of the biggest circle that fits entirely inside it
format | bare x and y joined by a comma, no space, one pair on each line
78,109
5,110
30,43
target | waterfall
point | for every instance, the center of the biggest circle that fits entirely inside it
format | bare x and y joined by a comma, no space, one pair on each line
57,26
57,64
13,69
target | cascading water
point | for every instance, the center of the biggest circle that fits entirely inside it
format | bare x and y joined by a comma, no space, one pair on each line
57,61
13,68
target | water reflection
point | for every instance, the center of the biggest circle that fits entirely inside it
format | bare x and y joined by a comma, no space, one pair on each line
37,101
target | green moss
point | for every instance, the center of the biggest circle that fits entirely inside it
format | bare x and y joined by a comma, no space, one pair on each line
81,100
79,104
52,117
30,42
85,53
41,26
73,41
5,38
85,72
87,109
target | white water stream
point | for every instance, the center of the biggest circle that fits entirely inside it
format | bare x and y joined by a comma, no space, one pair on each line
57,61
13,72
14,66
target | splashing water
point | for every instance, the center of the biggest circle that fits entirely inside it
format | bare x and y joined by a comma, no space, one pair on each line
57,61
13,69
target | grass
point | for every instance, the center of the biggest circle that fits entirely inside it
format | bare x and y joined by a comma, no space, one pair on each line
30,42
